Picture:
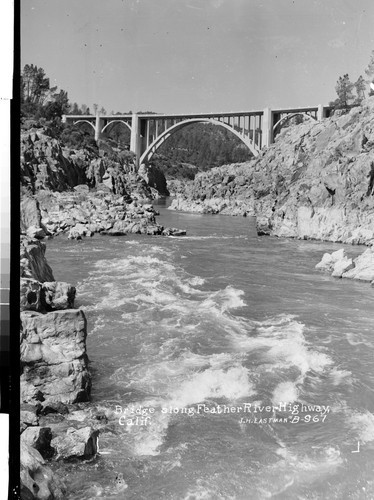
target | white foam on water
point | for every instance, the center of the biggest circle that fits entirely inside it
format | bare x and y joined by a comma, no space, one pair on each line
297,468
214,383
180,383
340,377
282,344
212,237
286,392
363,424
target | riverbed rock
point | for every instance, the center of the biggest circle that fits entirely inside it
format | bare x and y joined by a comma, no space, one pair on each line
30,295
36,232
155,178
76,443
28,416
363,267
33,262
329,260
29,212
53,357
58,295
173,231
339,265
37,480
40,439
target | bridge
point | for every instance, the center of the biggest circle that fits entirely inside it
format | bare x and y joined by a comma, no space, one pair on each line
256,129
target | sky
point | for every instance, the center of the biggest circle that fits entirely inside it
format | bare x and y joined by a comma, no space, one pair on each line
190,56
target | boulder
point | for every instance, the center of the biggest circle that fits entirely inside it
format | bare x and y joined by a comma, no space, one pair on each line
30,295
77,232
172,231
28,416
342,266
37,480
76,443
58,295
363,267
329,260
29,212
40,439
53,357
33,262
36,232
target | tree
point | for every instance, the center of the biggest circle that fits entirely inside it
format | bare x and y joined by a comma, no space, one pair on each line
34,84
74,109
360,86
58,106
344,91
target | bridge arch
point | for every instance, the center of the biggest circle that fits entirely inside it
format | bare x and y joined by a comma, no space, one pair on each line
84,121
114,122
153,147
285,119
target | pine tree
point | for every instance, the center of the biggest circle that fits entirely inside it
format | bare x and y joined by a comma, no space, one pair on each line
34,84
344,91
360,86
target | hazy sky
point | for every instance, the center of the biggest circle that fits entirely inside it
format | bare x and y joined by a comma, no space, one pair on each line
197,55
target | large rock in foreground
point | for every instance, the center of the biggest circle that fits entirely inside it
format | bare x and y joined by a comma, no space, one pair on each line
53,357
37,480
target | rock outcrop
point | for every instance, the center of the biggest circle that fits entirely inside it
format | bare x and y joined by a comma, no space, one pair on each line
340,266
37,479
53,357
316,181
154,179
46,164
54,365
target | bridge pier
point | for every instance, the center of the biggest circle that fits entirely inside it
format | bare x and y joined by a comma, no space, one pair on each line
321,112
98,127
267,128
135,138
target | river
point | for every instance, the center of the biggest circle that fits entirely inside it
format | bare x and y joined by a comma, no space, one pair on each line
254,370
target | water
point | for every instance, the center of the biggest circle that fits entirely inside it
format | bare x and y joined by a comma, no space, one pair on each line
206,331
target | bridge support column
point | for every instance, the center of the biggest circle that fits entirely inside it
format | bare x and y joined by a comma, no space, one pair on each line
321,113
135,139
267,128
98,127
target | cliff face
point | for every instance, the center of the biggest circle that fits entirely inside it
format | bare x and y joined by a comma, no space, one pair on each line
316,181
54,363
46,164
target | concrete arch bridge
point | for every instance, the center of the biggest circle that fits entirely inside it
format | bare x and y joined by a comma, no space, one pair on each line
256,129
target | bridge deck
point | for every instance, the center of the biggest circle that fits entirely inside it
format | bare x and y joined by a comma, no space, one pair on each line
155,116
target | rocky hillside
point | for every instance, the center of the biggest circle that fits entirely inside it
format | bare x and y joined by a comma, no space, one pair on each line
46,164
316,181
86,191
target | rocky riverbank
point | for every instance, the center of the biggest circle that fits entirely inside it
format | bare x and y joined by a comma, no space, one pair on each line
54,373
83,192
315,182
76,193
